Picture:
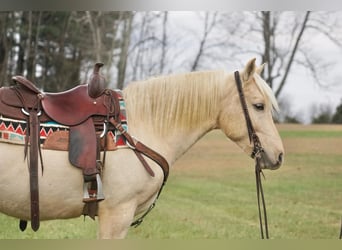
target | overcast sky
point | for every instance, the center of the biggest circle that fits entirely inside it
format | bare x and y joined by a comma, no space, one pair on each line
300,91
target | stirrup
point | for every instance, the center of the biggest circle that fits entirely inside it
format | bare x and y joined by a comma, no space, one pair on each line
90,195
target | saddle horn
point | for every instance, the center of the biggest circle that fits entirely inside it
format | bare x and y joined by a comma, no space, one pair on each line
97,83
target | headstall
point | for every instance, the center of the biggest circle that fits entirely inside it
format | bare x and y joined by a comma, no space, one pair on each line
256,154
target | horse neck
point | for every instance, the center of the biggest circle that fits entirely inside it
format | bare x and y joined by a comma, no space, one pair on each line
172,118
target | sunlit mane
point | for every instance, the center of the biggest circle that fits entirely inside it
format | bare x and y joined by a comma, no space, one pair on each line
179,100
267,92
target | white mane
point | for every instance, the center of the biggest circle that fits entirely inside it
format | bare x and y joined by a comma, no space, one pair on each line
183,100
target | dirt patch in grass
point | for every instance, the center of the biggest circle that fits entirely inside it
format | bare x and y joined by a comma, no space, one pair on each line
312,139
303,196
215,151
315,127
313,145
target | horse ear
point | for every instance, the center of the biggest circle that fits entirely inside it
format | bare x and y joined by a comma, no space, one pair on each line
249,70
260,68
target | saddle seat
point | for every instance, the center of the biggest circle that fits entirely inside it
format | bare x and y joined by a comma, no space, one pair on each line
75,106
69,108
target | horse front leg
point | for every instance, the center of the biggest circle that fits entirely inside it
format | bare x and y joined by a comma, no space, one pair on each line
115,222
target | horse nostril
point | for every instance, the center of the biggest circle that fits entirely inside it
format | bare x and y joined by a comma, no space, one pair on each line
280,158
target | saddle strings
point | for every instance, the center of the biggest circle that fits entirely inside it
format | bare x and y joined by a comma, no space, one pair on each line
36,105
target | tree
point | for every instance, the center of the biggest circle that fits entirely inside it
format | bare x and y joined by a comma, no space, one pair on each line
279,60
5,45
9,45
124,45
285,40
215,40
164,42
53,49
149,45
321,114
287,114
34,45
337,117
210,20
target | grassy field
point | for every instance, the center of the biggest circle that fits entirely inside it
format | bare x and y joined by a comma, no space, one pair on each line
211,194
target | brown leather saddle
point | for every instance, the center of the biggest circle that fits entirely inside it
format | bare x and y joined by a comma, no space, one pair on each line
86,109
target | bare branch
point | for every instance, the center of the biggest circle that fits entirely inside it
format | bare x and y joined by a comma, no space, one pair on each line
208,27
164,43
125,41
95,31
293,53
328,34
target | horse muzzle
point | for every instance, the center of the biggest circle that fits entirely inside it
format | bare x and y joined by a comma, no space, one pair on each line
270,162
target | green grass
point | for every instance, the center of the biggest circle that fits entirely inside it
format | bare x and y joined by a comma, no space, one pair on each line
57,229
299,207
310,134
211,195
304,198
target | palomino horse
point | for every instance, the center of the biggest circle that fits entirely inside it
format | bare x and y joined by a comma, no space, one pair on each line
169,114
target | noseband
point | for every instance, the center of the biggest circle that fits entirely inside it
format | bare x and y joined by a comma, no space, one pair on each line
256,154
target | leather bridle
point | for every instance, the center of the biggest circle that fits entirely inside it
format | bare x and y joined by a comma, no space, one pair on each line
256,154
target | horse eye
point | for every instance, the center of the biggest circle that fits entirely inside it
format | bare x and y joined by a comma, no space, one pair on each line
259,106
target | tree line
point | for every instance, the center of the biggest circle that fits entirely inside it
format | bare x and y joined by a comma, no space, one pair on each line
58,49
55,48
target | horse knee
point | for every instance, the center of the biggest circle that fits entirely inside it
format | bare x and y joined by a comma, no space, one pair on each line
115,223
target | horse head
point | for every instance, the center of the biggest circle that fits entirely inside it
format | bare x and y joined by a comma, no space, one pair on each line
260,103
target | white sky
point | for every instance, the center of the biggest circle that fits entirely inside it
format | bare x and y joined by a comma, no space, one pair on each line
300,91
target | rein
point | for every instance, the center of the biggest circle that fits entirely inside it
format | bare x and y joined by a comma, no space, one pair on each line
139,148
256,154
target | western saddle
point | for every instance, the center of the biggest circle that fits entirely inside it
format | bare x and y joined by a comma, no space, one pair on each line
86,109
90,111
